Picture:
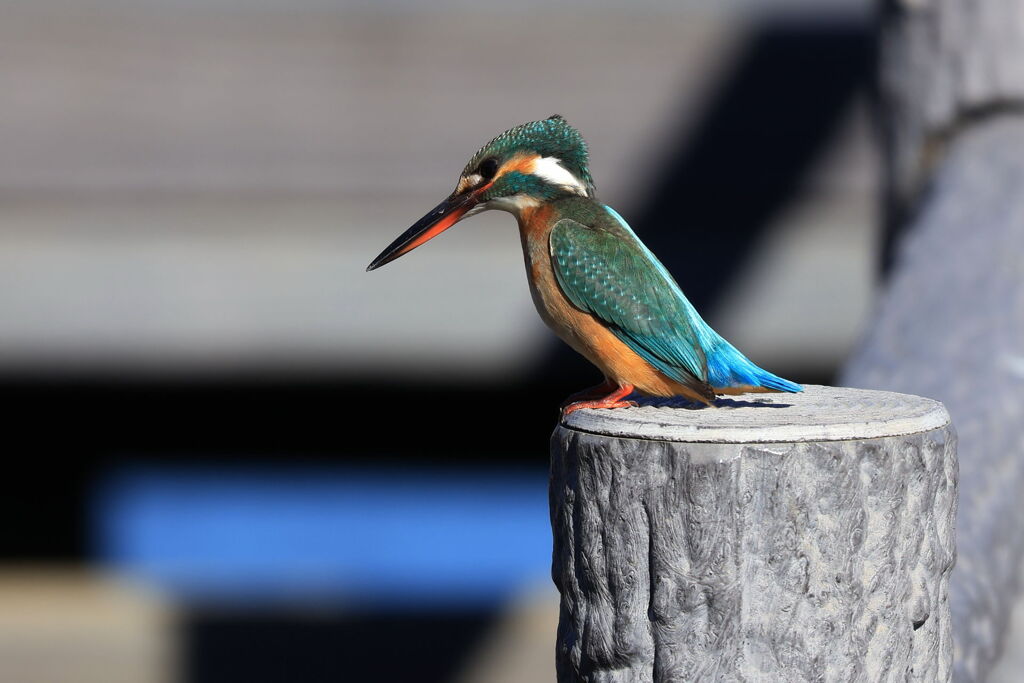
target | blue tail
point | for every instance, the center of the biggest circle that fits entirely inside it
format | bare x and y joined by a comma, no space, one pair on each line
727,367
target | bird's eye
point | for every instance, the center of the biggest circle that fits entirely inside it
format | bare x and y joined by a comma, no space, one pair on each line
487,168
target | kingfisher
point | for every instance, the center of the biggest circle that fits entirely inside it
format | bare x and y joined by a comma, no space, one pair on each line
591,278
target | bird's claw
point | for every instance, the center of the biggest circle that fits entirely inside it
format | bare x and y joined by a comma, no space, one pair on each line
603,404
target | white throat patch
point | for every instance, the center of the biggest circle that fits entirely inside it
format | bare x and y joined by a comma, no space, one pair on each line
513,204
551,170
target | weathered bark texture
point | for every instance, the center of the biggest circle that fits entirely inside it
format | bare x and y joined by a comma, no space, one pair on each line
744,543
951,321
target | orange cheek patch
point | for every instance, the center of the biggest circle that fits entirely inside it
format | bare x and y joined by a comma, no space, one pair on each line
523,163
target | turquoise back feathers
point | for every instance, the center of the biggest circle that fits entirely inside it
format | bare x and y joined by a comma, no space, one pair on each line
603,268
726,365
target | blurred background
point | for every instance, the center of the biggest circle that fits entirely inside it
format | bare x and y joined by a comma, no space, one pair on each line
233,455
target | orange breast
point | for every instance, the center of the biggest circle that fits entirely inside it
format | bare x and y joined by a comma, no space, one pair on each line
579,329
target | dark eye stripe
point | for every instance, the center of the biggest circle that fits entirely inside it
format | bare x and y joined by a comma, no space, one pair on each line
487,168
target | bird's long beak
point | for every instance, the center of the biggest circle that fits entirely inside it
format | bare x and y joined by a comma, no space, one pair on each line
441,217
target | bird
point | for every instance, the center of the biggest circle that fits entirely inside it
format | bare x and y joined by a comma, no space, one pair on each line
591,278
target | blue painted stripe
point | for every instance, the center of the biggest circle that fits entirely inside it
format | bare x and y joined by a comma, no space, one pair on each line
374,538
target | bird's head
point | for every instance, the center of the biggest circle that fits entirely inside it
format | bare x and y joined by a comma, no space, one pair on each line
520,169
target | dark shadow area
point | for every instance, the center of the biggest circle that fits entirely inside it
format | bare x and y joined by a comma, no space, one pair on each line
720,183
328,647
723,402
61,435
680,403
723,182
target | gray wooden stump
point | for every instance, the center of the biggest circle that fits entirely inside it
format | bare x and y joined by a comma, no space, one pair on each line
781,537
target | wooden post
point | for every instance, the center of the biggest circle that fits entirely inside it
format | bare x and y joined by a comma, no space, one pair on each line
779,537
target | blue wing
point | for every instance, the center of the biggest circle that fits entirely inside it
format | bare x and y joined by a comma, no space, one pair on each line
608,271
613,276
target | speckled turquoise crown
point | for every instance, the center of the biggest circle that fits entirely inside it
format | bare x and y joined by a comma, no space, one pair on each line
551,137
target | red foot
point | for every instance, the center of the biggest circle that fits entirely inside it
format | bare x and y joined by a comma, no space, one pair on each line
591,393
612,400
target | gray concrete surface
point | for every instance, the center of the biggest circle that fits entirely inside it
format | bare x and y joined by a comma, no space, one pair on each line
951,326
951,322
686,553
